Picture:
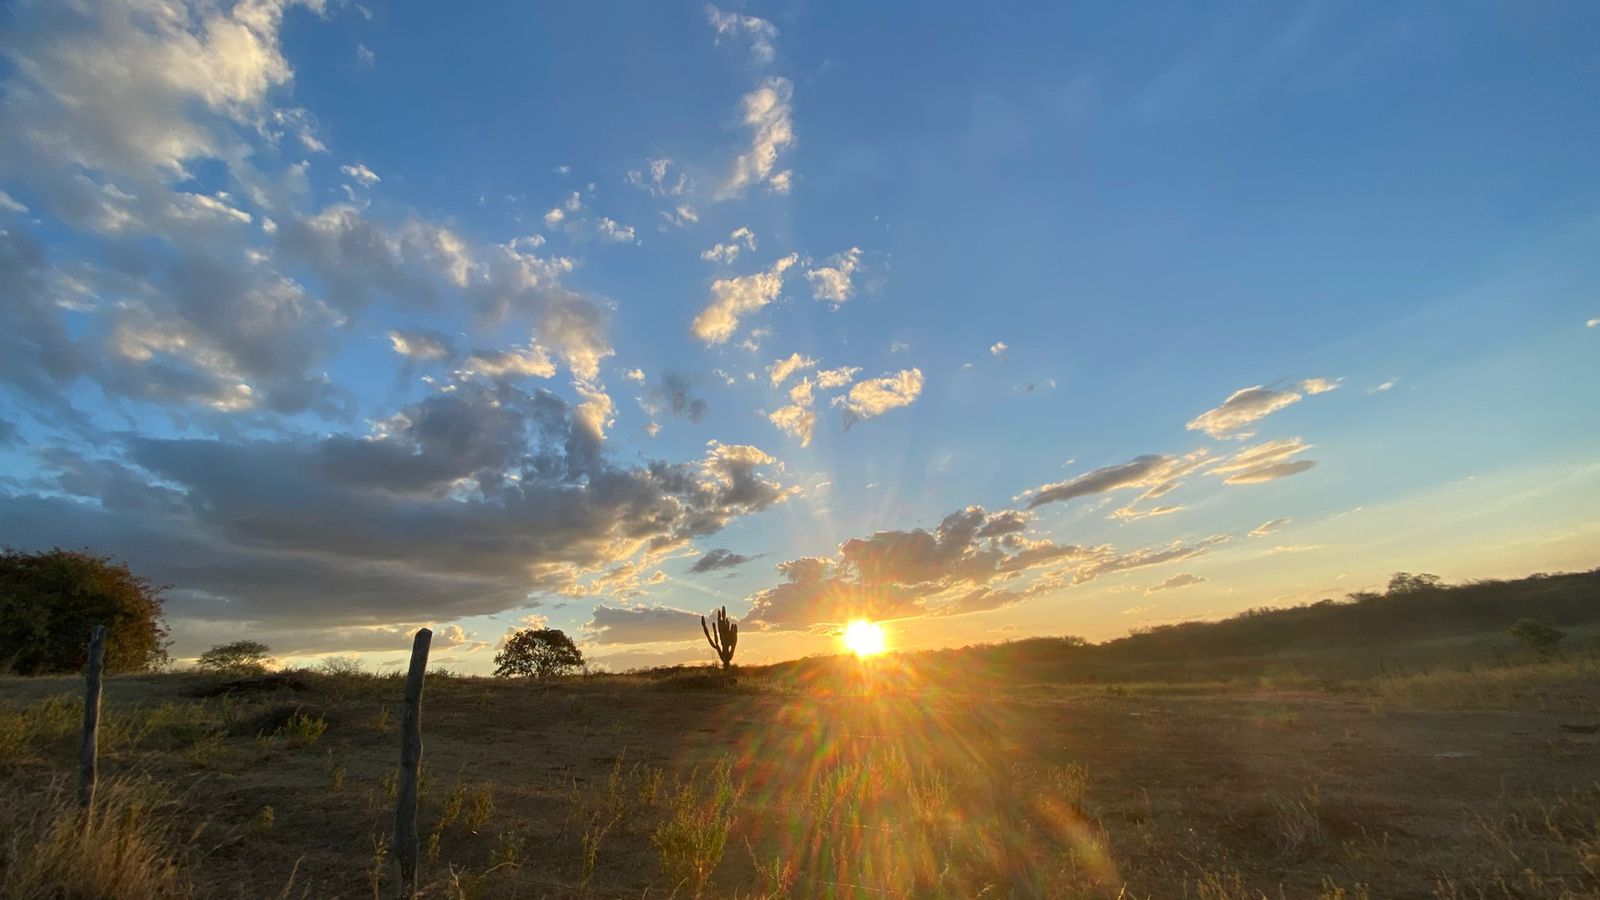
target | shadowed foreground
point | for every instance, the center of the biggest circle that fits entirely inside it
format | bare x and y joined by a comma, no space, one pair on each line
851,780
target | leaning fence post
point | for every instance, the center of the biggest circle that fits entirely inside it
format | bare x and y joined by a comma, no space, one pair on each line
405,814
88,757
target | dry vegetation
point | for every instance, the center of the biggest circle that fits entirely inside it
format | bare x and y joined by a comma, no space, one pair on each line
1443,764
851,781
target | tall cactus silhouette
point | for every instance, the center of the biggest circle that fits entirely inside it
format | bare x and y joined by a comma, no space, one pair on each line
722,634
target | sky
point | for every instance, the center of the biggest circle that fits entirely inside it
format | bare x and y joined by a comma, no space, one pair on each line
344,319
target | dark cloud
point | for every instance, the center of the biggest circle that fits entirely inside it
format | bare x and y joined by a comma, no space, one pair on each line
1155,472
466,504
675,396
718,559
898,574
643,625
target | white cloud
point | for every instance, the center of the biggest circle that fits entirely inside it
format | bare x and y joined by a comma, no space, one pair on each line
1264,462
680,217
420,344
610,230
660,178
1252,403
531,361
833,379
781,369
1269,526
1386,386
10,204
365,56
767,114
360,173
832,283
998,349
876,396
636,375
733,298
795,421
760,32
1592,323
725,253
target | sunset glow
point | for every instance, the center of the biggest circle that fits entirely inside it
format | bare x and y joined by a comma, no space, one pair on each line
864,638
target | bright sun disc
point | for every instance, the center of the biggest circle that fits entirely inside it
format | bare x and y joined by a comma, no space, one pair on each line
864,638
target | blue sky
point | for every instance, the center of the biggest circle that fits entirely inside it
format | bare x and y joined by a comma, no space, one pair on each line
344,319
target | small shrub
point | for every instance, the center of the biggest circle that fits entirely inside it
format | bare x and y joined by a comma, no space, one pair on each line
691,838
1540,636
341,666
303,730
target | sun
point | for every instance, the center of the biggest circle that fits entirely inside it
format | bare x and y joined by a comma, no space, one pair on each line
864,638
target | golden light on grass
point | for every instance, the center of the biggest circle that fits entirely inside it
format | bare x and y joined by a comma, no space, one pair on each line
864,638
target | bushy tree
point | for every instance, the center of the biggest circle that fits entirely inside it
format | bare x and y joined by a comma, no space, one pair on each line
50,599
236,658
1542,637
537,653
1407,583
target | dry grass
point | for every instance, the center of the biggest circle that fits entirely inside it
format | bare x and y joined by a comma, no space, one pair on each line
1542,685
881,783
125,847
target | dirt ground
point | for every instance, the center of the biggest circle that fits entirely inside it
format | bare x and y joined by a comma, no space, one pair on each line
876,785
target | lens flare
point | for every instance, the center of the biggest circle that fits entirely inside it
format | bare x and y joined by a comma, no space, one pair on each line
864,638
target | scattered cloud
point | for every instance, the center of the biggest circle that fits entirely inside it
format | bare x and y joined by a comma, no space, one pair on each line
1181,580
725,253
634,375
831,283
1269,526
365,57
610,230
795,421
734,25
998,349
876,396
767,114
1386,386
675,396
1264,462
718,559
360,173
642,625
421,344
1157,474
833,379
734,298
781,369
1250,404
660,178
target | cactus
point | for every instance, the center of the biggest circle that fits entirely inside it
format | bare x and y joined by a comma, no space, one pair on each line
723,635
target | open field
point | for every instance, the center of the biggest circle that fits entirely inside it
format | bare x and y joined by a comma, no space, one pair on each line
849,780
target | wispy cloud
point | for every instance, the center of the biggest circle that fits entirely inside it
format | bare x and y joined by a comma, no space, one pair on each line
734,298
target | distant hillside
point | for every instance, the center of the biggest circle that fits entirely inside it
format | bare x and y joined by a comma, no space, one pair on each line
1417,624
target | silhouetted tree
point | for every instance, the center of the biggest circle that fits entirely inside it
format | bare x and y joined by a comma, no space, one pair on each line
236,658
1407,583
537,653
1542,637
49,600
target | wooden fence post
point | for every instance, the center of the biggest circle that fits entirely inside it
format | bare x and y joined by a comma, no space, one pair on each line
405,814
88,757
